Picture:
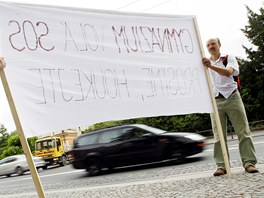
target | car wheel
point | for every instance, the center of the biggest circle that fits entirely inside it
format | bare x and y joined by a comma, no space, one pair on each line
19,171
94,167
63,161
44,167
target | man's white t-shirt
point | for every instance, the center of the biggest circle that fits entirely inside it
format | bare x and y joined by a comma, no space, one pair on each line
222,84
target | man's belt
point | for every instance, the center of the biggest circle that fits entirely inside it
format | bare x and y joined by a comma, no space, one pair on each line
221,96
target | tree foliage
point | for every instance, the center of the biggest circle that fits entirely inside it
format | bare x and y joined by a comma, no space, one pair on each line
179,123
12,150
31,143
13,140
3,136
252,68
3,139
10,143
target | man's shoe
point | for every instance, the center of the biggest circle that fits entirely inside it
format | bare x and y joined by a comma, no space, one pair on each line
219,172
251,169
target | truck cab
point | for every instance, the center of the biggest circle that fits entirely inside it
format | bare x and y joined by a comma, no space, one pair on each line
56,148
51,150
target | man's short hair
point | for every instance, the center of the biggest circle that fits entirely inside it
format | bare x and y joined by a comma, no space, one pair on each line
215,39
218,41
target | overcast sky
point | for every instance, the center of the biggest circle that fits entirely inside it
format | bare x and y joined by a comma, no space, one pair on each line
222,19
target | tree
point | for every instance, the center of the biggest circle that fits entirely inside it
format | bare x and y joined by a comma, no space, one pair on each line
13,140
11,143
3,139
177,123
31,143
3,136
252,68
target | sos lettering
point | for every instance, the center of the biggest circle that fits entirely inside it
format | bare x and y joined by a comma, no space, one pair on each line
29,36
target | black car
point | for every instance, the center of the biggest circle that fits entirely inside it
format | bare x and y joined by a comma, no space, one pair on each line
131,144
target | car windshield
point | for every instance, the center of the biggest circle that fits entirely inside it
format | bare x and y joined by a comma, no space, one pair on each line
151,129
45,144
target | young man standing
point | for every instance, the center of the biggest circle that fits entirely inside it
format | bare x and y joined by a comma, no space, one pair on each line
229,103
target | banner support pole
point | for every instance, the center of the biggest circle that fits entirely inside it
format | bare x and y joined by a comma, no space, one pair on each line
216,114
22,137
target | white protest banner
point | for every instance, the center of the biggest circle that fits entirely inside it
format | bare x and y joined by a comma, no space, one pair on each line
72,67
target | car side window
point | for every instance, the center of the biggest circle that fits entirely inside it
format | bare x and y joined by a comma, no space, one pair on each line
138,133
2,161
87,140
10,159
113,136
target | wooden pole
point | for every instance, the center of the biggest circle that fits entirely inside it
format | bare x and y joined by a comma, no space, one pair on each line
216,114
22,137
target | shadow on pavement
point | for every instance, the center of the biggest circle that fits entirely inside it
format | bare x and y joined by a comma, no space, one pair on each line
147,166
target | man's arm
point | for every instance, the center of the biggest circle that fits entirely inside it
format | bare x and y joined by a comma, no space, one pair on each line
224,71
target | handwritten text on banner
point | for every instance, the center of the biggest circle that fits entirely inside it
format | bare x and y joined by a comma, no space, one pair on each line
71,67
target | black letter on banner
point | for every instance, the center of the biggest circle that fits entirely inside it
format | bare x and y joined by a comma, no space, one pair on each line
13,34
62,92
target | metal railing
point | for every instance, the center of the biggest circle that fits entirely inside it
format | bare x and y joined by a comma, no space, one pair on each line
256,125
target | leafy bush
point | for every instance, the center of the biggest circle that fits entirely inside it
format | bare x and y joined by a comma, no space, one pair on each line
10,143
13,150
14,140
181,123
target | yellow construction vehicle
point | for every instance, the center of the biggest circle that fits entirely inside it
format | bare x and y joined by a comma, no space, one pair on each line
56,149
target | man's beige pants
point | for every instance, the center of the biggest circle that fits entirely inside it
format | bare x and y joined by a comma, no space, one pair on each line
233,107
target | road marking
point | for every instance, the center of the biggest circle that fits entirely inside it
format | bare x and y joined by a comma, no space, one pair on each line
64,173
42,176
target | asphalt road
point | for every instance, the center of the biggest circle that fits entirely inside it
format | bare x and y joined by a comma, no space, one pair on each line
66,178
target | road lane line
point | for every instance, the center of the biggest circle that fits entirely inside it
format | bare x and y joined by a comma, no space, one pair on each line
42,176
